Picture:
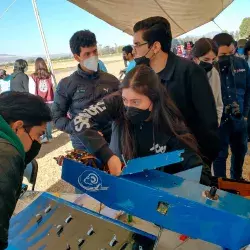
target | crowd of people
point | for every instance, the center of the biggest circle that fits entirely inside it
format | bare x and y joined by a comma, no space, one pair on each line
164,103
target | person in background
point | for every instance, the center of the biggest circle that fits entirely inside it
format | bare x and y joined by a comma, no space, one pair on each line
239,50
85,87
235,83
247,52
205,53
146,123
23,119
4,81
127,54
20,81
43,86
101,66
186,82
247,58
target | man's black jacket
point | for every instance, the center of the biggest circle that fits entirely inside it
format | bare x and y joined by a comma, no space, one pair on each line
189,88
78,92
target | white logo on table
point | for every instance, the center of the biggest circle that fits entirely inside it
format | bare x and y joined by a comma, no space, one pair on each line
91,181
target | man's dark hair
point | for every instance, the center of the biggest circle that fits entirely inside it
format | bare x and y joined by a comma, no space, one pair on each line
203,46
156,29
82,38
20,65
30,109
223,39
128,49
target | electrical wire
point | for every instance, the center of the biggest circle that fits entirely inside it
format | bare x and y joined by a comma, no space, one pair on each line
7,9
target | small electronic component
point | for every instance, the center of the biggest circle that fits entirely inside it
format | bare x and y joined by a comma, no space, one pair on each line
47,209
163,208
91,231
68,219
59,229
39,218
80,242
211,194
113,241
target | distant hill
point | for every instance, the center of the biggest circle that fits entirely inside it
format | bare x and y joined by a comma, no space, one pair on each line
6,58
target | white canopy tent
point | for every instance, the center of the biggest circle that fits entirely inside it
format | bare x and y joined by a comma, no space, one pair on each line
184,15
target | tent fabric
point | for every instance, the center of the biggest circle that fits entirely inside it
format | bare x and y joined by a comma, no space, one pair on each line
183,15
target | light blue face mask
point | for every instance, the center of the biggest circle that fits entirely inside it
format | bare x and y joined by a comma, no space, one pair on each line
240,51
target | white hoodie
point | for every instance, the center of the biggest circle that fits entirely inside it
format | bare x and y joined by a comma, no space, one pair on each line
215,83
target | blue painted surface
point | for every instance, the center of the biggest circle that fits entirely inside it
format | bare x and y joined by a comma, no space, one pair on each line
193,174
225,222
155,161
20,238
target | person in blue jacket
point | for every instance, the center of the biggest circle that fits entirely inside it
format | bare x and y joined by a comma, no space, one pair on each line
235,90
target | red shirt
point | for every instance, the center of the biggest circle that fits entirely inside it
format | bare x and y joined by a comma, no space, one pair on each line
44,88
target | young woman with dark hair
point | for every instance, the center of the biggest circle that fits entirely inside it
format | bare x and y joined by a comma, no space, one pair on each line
146,122
42,80
19,80
204,53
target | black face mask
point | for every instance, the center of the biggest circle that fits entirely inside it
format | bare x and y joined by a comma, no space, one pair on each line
136,116
207,66
143,60
33,152
225,61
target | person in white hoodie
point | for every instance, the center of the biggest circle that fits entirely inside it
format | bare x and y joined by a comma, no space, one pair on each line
204,54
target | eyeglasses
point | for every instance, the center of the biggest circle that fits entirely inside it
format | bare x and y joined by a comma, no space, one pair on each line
138,45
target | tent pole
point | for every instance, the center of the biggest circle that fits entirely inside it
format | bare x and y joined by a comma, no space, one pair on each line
217,25
39,23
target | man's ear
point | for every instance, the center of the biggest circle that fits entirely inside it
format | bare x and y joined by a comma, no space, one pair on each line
156,47
77,58
16,125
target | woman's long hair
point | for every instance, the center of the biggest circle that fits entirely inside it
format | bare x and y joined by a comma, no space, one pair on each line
41,69
165,115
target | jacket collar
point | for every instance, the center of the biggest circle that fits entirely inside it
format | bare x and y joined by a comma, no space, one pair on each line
84,74
167,73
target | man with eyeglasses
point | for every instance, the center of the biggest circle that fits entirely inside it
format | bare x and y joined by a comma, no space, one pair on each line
186,82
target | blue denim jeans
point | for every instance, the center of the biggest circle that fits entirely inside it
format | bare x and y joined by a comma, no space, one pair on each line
76,143
233,133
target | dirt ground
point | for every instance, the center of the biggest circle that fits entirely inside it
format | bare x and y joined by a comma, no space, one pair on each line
49,173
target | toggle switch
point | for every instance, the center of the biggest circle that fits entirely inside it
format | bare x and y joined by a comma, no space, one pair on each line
113,241
47,209
212,191
68,219
80,242
91,231
211,194
39,218
59,229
